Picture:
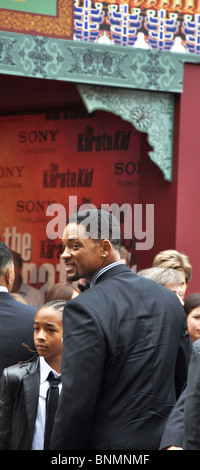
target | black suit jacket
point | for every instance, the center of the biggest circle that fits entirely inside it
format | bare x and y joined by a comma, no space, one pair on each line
191,421
19,392
16,327
121,341
173,432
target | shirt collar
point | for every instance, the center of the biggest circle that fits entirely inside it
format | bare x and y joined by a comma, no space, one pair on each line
3,289
45,369
103,270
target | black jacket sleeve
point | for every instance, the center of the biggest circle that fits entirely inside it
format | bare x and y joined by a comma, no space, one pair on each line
6,410
173,433
82,365
191,437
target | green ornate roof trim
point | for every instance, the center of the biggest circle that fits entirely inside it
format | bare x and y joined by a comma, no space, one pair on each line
59,59
149,112
117,73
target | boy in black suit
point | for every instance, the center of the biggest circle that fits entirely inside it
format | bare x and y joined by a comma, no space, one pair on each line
24,387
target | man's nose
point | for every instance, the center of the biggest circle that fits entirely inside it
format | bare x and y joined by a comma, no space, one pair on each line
66,253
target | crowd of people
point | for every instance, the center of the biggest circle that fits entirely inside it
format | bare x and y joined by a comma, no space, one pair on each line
111,363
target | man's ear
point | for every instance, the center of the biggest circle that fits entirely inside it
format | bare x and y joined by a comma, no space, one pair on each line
8,276
106,247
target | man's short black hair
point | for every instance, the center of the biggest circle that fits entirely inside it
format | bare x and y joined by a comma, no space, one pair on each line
106,225
6,257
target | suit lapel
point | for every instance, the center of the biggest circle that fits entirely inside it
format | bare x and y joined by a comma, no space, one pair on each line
31,384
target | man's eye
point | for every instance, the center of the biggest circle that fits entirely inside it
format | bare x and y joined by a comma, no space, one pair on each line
75,246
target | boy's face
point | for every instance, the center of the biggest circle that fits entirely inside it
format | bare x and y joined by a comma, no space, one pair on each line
48,331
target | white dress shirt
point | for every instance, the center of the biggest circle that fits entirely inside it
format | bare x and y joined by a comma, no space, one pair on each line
3,289
38,437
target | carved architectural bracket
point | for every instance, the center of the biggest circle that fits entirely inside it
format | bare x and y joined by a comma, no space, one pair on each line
149,112
127,81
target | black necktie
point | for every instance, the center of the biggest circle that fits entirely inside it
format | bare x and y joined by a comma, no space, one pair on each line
51,407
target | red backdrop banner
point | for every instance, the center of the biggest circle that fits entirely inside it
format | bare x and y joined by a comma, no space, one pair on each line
51,157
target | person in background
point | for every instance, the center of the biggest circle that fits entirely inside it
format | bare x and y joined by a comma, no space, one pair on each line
191,419
62,290
124,256
24,387
192,310
172,438
175,260
167,277
32,296
121,339
81,285
171,279
18,297
16,318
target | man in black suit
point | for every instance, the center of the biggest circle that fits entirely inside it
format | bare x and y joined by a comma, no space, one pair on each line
122,339
172,438
191,421
16,318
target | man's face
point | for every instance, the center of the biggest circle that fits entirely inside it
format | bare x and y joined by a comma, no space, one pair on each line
82,256
177,290
183,281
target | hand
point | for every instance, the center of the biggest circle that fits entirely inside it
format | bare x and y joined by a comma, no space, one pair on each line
174,448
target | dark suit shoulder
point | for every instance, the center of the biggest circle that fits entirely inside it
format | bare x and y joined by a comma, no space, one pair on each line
19,306
9,303
17,372
125,281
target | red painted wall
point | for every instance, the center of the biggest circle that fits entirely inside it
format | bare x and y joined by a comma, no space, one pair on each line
18,94
176,204
155,190
188,189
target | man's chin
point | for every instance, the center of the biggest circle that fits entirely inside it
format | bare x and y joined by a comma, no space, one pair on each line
73,277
